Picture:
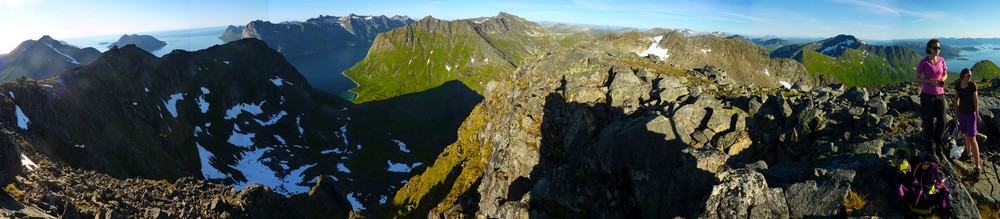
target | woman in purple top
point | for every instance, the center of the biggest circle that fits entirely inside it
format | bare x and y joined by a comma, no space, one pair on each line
931,73
967,105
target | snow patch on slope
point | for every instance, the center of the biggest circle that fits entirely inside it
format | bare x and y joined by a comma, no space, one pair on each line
655,50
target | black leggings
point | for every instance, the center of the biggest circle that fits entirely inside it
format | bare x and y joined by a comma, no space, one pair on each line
932,109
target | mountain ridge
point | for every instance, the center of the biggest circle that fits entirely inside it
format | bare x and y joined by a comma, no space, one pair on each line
42,59
320,33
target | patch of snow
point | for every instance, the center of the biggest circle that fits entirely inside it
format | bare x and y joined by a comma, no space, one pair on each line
147,90
172,103
401,167
655,49
342,168
705,51
282,140
298,122
242,140
472,60
277,81
202,104
382,199
487,60
27,163
207,169
69,59
227,62
766,72
135,103
22,120
336,151
273,119
342,134
355,204
253,168
359,146
11,94
786,84
197,129
237,127
428,61
244,107
402,146
446,67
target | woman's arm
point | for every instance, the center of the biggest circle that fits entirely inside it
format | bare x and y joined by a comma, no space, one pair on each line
917,79
975,105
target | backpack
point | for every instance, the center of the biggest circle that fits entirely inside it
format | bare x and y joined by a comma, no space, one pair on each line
900,163
951,131
926,191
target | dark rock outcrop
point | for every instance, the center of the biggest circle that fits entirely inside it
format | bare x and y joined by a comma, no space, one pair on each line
10,158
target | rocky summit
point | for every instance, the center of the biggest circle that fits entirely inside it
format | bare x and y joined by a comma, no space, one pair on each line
577,133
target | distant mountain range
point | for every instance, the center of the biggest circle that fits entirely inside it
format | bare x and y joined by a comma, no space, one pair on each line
851,61
145,42
42,59
320,33
770,44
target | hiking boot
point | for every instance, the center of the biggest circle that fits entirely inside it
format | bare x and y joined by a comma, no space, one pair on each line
975,173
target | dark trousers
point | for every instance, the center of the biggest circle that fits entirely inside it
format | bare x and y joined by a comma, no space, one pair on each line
932,110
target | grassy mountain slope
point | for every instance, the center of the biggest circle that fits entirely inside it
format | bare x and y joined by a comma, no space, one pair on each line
983,71
854,63
430,52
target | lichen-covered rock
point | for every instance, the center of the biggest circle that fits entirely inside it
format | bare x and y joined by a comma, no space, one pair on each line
743,193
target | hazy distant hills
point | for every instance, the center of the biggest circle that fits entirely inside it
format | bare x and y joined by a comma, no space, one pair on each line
43,58
770,44
853,62
320,33
145,42
429,52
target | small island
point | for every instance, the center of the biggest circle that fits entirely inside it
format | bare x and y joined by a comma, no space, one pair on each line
145,42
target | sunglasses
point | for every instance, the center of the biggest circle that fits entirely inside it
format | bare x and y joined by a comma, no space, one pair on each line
936,48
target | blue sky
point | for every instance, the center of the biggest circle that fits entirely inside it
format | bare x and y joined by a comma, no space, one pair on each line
867,19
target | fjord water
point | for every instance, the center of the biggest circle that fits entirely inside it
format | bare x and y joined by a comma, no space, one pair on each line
988,50
323,69
185,39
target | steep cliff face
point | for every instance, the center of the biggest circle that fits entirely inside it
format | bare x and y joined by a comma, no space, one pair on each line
315,34
430,52
591,133
42,59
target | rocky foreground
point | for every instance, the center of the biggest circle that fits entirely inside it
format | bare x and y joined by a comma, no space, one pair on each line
580,133
54,190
